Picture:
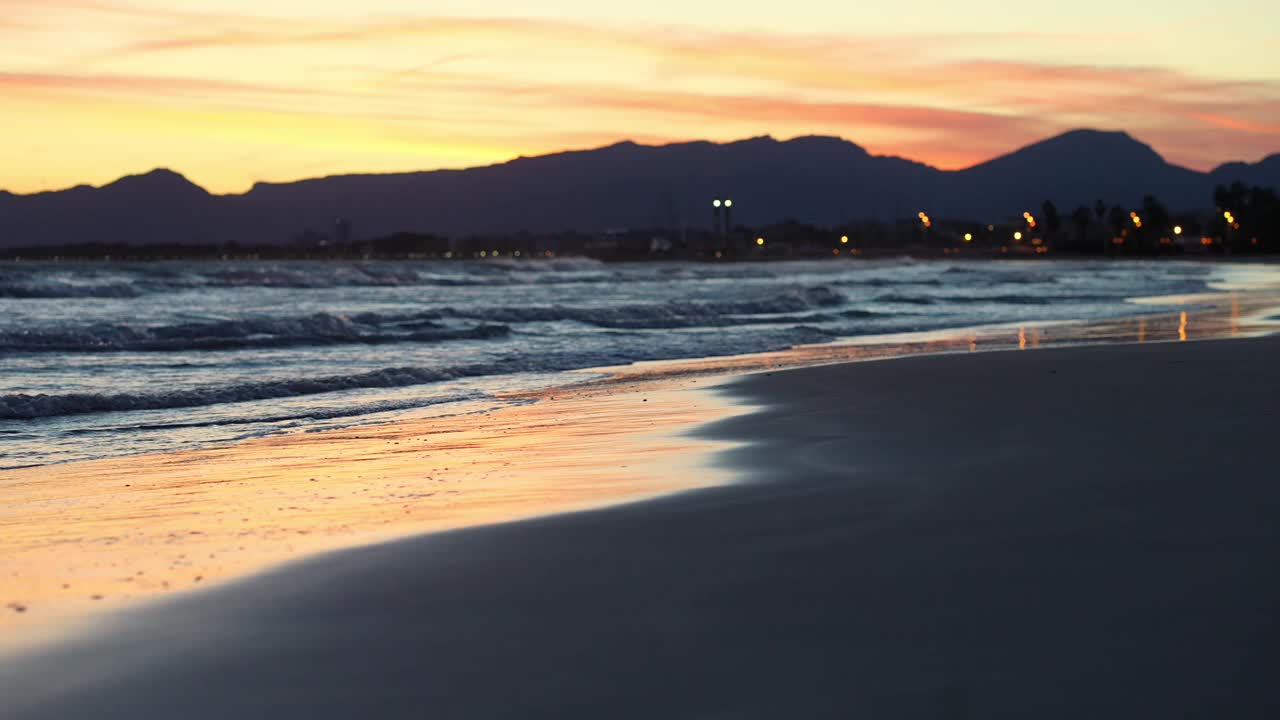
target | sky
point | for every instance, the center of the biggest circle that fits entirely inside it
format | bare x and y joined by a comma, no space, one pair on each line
230,92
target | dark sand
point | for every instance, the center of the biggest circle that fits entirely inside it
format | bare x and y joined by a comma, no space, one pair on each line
1068,533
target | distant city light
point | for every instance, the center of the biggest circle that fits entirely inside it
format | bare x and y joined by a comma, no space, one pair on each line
844,239
968,237
716,202
760,241
1017,235
1177,229
728,203
990,228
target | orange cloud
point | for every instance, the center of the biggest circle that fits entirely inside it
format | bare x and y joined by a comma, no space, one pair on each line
462,90
1232,123
145,85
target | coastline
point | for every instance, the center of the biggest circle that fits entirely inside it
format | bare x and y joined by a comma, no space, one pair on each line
1090,533
89,538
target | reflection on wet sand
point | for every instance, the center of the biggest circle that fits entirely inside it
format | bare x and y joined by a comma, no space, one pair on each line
1210,317
91,534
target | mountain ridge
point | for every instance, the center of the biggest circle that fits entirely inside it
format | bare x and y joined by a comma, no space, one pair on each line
820,179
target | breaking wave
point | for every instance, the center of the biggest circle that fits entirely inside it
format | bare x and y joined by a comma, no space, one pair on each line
27,406
420,327
317,329
49,289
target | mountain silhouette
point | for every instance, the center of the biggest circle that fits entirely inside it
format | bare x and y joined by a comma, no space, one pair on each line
822,180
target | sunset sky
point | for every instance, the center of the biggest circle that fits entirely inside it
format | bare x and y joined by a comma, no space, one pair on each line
234,91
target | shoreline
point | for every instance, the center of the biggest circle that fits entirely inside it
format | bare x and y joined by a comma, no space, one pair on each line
1089,534
188,520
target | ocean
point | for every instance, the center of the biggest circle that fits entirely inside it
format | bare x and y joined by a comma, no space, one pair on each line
108,359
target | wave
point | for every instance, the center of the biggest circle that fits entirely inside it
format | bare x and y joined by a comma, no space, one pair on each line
993,299
424,326
334,413
50,289
881,282
30,407
671,315
898,299
317,329
25,406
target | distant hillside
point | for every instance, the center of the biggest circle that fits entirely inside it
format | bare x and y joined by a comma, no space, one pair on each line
820,180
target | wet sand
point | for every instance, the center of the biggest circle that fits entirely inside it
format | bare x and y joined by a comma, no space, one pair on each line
84,538
1078,532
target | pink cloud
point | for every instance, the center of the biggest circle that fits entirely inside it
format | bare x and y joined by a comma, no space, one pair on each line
897,91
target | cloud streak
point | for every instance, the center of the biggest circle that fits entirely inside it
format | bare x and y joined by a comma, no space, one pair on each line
521,86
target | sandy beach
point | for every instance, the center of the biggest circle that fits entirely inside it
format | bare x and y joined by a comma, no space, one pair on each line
85,538
1076,532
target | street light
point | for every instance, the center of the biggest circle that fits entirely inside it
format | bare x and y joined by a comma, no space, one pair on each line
760,241
1177,229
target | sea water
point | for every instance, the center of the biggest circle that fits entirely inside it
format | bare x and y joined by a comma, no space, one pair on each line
101,359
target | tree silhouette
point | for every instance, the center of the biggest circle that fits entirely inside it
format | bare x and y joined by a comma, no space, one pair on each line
1230,197
1155,218
1052,221
1100,209
1255,213
1118,219
1081,217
